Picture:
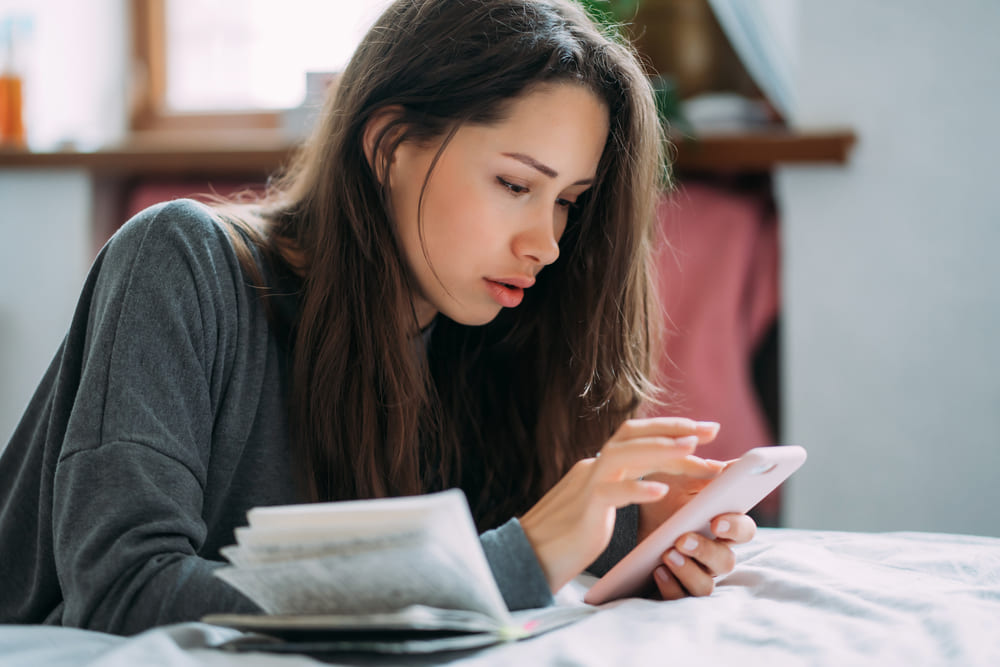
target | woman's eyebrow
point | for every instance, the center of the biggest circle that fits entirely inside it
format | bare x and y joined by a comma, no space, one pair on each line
545,169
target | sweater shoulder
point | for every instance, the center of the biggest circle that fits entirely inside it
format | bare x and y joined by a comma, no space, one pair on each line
181,222
176,240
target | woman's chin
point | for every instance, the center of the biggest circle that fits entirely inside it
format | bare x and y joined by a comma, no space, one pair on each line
473,317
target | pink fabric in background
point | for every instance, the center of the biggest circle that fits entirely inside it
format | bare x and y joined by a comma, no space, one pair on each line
718,281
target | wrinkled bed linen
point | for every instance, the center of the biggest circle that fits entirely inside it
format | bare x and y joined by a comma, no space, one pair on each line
796,597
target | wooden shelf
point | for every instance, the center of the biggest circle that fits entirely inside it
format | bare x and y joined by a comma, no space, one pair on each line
761,150
218,153
260,152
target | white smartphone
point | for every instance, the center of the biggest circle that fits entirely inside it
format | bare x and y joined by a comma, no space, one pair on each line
739,487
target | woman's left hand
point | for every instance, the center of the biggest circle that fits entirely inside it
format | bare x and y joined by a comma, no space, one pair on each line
690,568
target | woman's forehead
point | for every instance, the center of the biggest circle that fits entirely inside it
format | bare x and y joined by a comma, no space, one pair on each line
563,127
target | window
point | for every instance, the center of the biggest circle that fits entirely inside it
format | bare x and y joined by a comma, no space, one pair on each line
201,63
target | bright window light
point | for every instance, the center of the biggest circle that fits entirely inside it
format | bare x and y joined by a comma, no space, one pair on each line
254,54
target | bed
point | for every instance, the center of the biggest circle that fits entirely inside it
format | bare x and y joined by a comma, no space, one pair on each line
797,597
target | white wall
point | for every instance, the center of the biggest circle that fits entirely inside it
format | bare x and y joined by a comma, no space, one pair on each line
891,271
45,227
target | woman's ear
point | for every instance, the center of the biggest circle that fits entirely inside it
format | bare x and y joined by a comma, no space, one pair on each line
377,135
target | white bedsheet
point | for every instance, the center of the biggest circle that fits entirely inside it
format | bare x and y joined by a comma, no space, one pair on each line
796,598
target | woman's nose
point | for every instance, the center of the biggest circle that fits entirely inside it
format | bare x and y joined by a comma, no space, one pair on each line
538,243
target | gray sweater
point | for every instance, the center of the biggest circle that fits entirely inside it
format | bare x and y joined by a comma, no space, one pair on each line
159,423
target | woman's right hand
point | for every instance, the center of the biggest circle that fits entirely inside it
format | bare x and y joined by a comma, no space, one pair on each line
572,524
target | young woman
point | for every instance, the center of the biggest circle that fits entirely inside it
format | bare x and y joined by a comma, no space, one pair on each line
449,288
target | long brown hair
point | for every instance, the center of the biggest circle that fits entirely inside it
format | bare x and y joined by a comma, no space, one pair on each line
501,410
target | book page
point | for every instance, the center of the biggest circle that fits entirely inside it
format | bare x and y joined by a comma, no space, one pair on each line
348,515
437,562
364,581
415,617
414,629
253,551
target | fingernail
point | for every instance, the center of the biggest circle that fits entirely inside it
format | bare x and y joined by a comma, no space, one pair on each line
661,573
690,544
722,527
675,557
687,441
709,426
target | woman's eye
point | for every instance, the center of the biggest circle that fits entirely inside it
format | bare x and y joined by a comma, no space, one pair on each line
514,188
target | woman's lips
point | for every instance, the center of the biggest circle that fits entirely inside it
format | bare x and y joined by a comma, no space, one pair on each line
508,296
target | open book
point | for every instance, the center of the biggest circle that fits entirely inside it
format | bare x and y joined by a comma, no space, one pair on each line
394,575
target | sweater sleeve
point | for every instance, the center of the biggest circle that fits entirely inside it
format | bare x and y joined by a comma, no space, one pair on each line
129,483
515,567
518,573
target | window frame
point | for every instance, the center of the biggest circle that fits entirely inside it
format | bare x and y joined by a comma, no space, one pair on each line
148,110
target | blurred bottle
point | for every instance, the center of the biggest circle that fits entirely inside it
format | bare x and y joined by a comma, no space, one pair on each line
12,132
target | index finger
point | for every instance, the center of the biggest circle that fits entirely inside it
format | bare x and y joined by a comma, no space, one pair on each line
645,458
699,468
666,426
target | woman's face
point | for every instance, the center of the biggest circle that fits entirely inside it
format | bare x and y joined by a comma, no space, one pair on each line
496,202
